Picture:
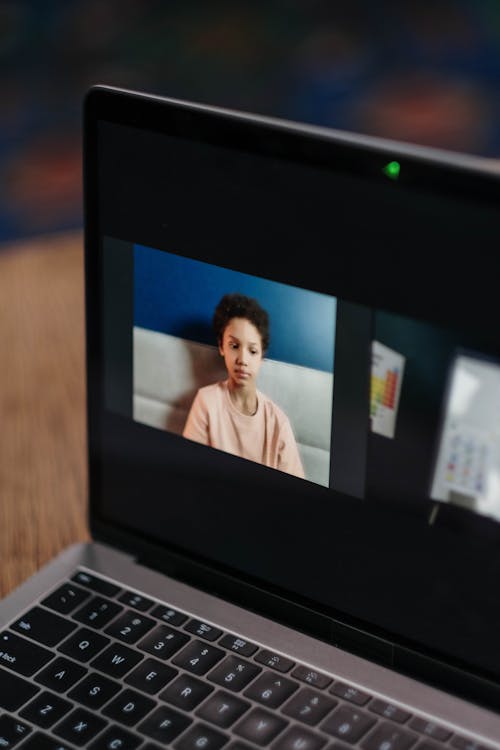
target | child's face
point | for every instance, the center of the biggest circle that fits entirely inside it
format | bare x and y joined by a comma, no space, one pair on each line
242,351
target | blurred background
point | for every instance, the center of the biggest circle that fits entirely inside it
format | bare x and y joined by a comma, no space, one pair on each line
422,71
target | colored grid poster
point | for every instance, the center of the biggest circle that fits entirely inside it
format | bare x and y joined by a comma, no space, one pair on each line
386,380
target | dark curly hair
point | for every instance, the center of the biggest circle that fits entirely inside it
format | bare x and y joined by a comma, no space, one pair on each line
239,306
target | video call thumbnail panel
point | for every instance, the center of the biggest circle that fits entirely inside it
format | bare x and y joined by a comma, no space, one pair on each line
236,362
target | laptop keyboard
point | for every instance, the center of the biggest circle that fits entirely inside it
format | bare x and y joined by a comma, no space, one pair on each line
97,666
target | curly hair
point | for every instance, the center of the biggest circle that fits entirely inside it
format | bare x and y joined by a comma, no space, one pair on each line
239,306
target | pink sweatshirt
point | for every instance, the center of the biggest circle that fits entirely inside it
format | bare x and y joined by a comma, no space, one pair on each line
266,436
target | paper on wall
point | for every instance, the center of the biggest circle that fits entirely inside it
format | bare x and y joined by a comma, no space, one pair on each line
386,378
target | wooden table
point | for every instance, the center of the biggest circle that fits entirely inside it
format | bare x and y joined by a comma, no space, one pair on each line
43,479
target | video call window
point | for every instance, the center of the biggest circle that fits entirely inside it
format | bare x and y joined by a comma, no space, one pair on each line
245,365
236,362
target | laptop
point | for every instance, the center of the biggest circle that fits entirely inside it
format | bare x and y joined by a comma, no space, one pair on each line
293,368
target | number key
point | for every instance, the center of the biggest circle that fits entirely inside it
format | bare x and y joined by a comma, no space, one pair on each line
163,641
198,657
130,626
348,724
98,612
309,706
66,598
271,689
234,673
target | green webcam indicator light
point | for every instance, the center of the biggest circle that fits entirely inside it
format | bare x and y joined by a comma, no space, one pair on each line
392,170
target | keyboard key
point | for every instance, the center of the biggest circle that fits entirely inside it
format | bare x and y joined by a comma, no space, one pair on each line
129,707
79,727
163,641
198,657
41,741
66,598
276,661
348,724
12,731
239,645
61,674
21,655
186,692
428,745
462,743
151,676
201,736
44,626
98,612
130,626
84,644
430,729
260,726
117,660
137,601
203,630
309,706
350,693
116,737
271,690
237,745
317,679
14,691
164,724
388,736
99,585
298,738
389,711
222,709
46,709
169,615
94,691
234,673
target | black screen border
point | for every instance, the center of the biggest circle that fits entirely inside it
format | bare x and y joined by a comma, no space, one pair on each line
422,170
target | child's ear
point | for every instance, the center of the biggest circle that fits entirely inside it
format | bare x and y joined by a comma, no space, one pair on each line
221,352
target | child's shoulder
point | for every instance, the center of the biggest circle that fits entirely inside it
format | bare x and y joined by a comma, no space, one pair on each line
272,408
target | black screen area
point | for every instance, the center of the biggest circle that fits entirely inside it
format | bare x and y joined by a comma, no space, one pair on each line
399,531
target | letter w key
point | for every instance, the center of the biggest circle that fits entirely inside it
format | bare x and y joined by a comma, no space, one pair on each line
117,660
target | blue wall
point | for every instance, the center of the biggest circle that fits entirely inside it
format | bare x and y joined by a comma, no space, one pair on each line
178,295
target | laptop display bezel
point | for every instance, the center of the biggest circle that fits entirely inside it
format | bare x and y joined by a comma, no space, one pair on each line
424,169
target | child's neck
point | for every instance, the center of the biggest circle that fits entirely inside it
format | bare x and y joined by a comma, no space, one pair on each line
244,399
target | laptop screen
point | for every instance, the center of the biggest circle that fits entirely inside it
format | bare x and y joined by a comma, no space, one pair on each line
294,367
